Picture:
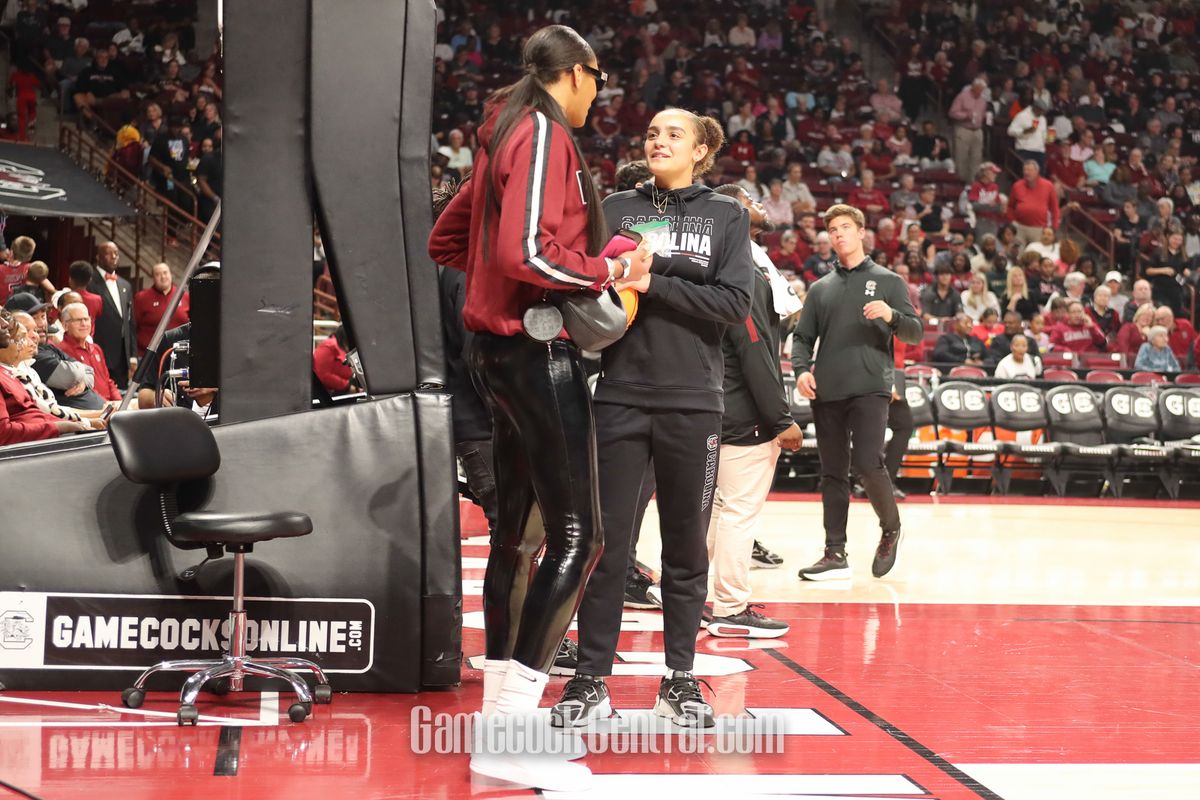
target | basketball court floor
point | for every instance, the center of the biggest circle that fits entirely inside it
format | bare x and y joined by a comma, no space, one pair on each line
1022,649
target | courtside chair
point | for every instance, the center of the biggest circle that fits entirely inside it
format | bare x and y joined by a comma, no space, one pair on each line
1017,409
1131,422
1179,416
1076,424
962,408
163,448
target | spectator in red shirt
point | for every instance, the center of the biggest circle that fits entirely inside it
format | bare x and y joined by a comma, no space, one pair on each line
1133,334
879,160
75,343
25,85
20,418
786,257
1065,172
986,200
742,148
330,366
79,277
1079,334
150,304
1180,333
886,239
1032,204
866,197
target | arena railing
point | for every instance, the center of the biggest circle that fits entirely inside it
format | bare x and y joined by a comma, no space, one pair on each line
144,236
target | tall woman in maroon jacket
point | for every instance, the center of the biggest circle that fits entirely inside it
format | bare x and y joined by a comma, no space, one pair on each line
529,223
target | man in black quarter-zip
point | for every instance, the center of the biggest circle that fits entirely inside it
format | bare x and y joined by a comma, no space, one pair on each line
843,362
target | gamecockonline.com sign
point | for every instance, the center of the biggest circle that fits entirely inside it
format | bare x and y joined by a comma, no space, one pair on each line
103,631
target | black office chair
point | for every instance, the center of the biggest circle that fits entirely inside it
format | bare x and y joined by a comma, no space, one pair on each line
164,447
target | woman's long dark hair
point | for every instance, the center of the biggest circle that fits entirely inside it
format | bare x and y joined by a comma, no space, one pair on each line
549,53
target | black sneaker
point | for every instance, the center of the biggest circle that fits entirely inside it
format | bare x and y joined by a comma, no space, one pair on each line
640,591
899,493
747,625
680,701
885,553
762,558
567,659
584,698
706,616
832,566
857,491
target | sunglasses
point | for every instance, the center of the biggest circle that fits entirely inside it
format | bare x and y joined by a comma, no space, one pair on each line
600,75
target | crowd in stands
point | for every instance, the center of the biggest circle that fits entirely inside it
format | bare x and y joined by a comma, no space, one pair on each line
1095,100
142,81
66,354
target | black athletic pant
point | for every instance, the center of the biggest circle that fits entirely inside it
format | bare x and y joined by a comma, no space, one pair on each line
864,418
544,440
477,460
685,448
647,492
900,422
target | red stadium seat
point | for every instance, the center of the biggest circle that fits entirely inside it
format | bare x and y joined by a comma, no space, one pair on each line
1103,360
966,371
1104,376
1058,359
1060,375
1147,377
1192,378
921,372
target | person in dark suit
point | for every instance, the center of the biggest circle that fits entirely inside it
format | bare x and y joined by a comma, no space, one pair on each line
114,329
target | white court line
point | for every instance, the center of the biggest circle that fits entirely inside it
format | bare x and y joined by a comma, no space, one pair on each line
136,711
268,708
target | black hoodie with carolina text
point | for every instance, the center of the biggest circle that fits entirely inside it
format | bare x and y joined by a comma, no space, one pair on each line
671,356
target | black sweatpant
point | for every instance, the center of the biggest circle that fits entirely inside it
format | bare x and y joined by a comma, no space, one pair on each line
476,457
864,418
646,493
544,448
900,422
685,447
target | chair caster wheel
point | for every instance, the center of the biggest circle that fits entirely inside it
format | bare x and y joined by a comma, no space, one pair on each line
298,711
133,697
323,694
188,715
219,687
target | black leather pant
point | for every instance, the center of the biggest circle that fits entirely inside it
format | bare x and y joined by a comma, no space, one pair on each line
544,447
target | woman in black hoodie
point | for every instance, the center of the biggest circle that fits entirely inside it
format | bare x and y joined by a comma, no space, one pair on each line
659,398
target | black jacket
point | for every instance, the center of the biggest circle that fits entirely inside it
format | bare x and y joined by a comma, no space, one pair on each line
114,328
756,406
954,349
856,354
671,357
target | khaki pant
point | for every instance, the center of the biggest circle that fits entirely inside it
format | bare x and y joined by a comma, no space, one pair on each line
744,479
1027,234
968,151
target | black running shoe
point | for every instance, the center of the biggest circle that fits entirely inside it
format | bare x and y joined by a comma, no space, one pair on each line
706,615
899,493
584,698
885,553
857,490
640,591
832,566
567,659
680,701
762,558
747,625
